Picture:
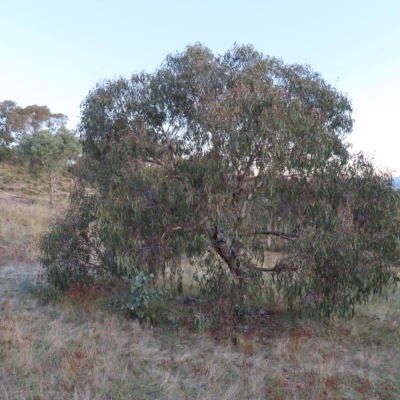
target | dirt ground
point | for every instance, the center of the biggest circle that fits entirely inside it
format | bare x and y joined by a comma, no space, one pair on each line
16,197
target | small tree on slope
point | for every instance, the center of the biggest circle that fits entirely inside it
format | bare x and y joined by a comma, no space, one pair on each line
49,152
201,157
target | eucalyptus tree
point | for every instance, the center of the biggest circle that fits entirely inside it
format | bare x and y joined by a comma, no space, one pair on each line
9,118
45,151
200,157
16,121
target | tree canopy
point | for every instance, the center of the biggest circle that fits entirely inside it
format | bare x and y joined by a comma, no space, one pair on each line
9,119
207,157
50,152
16,121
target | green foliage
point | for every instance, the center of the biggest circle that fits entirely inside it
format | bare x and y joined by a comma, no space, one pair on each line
9,122
203,321
45,150
206,155
348,245
71,253
16,121
142,295
50,152
45,293
8,154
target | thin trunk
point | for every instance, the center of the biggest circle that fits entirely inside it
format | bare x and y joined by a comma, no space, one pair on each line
51,182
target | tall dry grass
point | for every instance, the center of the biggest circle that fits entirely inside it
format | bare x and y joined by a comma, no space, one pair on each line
21,226
25,213
75,347
65,352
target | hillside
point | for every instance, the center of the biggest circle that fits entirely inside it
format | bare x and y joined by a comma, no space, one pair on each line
25,212
18,187
76,345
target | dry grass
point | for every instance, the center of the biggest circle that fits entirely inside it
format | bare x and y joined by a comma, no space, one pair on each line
25,213
20,228
18,186
67,352
77,348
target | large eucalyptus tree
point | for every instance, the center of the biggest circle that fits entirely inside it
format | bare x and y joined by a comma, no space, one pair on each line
202,156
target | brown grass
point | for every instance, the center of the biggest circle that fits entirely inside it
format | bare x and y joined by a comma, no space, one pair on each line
76,347
18,186
20,228
25,213
65,351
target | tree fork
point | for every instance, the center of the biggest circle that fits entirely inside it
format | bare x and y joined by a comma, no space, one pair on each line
232,260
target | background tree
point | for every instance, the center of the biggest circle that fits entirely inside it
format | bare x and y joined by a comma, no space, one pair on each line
50,152
201,157
10,122
16,122
38,118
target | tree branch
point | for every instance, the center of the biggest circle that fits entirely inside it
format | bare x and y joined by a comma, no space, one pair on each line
283,235
274,269
175,228
277,268
155,160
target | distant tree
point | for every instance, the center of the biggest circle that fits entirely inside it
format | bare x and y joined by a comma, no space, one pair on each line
10,122
202,157
38,118
16,121
50,152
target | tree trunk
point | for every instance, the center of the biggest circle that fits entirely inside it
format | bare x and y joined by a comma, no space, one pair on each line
232,260
51,184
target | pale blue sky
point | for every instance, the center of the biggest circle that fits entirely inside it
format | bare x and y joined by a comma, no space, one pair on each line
53,52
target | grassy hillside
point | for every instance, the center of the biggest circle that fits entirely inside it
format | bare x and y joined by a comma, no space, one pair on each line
75,346
24,212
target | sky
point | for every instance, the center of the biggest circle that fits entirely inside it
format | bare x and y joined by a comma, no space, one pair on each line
54,52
